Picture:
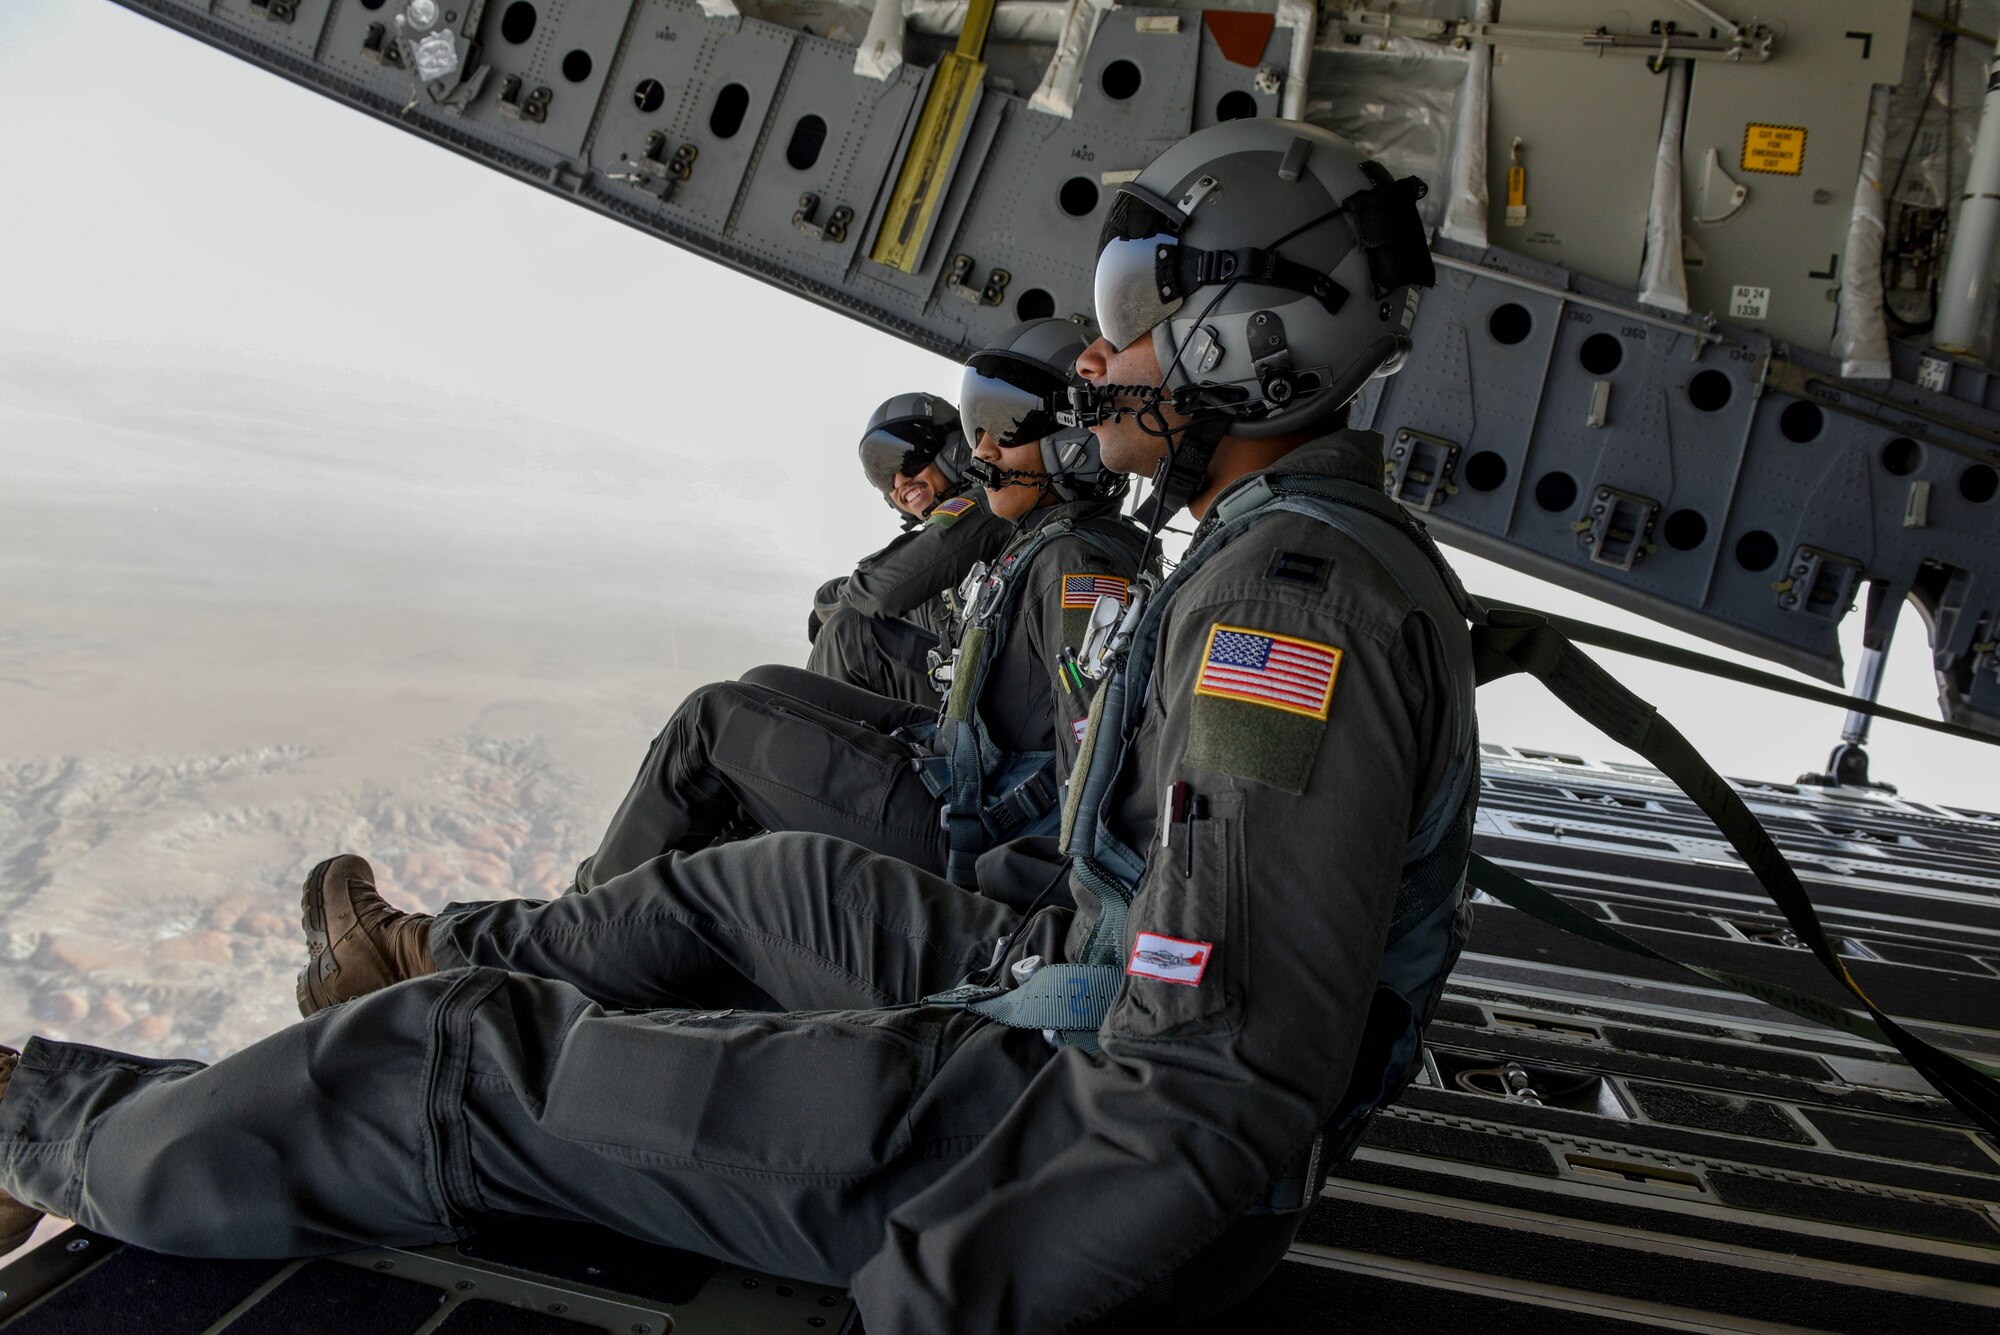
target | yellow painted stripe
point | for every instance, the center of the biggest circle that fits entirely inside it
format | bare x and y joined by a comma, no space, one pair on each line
954,94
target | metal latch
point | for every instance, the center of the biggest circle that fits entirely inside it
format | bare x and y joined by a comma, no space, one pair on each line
1618,530
377,48
534,107
958,282
1419,469
1819,583
834,229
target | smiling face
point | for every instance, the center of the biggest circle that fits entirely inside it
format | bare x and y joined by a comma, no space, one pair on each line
1013,502
915,495
1128,447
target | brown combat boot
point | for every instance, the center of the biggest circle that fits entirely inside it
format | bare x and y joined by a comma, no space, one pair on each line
357,944
17,1221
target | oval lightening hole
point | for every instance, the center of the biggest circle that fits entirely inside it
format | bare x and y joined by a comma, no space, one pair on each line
1685,530
1756,550
1121,79
1709,391
730,105
1801,422
1509,324
1485,471
1078,196
1601,353
1902,456
1235,105
1035,304
808,137
517,25
576,66
1555,492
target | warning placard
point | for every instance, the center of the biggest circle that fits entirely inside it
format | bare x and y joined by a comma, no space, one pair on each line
1780,149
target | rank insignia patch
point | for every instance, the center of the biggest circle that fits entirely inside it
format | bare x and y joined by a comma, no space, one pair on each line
1272,670
948,512
1081,592
1169,959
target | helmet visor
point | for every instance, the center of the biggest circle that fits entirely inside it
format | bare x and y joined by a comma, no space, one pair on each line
897,447
1137,214
1012,400
1135,287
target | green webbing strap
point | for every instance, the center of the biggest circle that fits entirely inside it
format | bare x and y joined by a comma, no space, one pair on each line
1517,892
1072,999
972,648
1619,641
1514,640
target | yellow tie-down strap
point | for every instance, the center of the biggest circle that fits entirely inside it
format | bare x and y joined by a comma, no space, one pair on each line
942,127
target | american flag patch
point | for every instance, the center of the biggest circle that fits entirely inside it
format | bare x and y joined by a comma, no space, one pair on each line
1083,591
1274,670
952,508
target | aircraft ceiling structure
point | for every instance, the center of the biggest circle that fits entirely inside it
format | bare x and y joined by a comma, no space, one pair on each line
1694,439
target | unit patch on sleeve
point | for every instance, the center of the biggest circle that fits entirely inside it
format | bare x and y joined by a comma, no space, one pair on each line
1169,959
1261,702
950,512
1079,593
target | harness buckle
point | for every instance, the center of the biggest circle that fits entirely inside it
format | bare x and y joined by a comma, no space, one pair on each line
1023,804
965,994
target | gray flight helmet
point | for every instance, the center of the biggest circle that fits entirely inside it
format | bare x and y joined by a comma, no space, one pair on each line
1275,266
1013,389
909,433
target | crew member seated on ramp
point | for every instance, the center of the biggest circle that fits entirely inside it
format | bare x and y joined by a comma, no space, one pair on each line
786,750
1123,1108
876,627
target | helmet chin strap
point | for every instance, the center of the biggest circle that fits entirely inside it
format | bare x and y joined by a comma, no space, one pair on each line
1183,473
993,477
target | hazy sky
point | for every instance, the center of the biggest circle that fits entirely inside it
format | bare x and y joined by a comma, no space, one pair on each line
289,308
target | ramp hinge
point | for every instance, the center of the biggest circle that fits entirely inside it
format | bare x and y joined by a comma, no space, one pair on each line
957,281
534,107
834,229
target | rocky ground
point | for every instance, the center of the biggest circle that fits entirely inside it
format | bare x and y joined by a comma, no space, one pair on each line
151,904
243,629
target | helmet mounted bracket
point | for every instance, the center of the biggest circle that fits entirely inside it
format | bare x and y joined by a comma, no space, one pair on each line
1271,356
1390,231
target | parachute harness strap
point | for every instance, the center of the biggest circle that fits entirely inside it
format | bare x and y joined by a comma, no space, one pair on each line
1072,1000
966,742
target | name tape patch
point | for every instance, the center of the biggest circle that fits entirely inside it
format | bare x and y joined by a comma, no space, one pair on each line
1276,671
1169,959
1083,591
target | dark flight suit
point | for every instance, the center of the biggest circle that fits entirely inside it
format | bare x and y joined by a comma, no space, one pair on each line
959,1174
876,624
825,761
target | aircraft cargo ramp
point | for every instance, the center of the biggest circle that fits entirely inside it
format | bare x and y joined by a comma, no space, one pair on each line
1592,1147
